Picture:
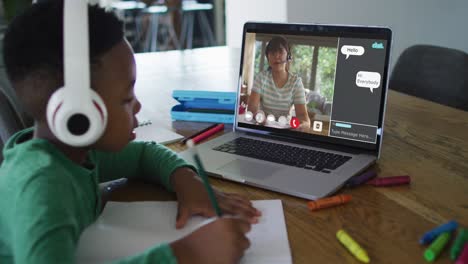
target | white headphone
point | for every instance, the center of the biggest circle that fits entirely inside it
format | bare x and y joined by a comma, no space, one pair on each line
76,114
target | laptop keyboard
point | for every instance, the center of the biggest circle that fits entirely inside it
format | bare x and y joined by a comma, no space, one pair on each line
284,154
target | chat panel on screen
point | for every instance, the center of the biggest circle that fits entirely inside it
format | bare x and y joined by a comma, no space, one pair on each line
358,89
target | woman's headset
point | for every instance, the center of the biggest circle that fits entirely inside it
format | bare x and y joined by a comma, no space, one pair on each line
76,114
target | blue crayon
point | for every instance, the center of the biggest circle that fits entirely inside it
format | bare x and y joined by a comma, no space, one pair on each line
431,235
360,179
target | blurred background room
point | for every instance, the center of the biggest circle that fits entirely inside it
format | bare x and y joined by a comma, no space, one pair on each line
160,25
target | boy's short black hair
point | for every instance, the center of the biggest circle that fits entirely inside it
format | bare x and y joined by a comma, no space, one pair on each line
33,50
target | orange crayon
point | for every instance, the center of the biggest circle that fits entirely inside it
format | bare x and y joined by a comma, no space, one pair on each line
329,202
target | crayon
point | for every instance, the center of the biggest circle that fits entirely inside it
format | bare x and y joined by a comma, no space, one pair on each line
328,202
463,258
431,253
360,179
462,239
208,133
352,246
430,235
198,133
390,181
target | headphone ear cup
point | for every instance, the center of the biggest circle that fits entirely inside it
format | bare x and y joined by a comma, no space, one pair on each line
76,122
100,109
53,105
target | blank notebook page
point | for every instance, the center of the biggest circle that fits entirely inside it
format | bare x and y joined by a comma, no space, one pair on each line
152,132
126,229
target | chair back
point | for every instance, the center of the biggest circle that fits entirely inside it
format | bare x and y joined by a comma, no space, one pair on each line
434,73
10,121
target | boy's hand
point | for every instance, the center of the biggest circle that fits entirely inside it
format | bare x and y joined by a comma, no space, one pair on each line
193,200
221,241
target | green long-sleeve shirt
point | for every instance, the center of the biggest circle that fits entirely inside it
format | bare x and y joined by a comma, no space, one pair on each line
46,200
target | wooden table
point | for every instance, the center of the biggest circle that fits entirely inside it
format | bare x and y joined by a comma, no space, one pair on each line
425,140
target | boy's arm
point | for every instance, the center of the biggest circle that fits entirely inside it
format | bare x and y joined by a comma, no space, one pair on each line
145,160
48,223
45,228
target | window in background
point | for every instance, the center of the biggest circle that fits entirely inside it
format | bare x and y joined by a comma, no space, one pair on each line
156,25
326,71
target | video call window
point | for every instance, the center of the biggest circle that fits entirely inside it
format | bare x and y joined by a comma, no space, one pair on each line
302,68
326,86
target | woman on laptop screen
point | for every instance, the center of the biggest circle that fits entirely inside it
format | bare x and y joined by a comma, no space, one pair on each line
276,90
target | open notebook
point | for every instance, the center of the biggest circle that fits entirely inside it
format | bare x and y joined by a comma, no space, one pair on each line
126,229
147,131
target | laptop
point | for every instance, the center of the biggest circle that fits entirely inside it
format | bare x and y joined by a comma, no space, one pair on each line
304,135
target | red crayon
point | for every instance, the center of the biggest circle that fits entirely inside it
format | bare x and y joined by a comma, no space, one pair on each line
390,181
463,258
184,141
208,133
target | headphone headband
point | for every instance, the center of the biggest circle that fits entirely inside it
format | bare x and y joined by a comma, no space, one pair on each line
76,47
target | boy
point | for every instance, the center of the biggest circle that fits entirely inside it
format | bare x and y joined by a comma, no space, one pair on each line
50,190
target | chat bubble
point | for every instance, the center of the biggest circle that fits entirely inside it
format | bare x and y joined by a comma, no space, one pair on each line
352,50
367,79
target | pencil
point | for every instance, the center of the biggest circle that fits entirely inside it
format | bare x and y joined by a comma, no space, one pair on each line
202,174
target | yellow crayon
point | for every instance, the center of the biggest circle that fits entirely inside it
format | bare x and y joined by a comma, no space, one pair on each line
352,246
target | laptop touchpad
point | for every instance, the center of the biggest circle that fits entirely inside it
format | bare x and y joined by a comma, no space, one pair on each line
243,168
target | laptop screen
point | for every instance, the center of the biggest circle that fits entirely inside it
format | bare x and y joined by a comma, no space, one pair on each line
314,82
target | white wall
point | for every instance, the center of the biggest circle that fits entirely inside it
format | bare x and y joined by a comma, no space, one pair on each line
240,11
435,22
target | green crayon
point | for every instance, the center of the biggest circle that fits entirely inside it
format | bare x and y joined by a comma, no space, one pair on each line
457,246
431,253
